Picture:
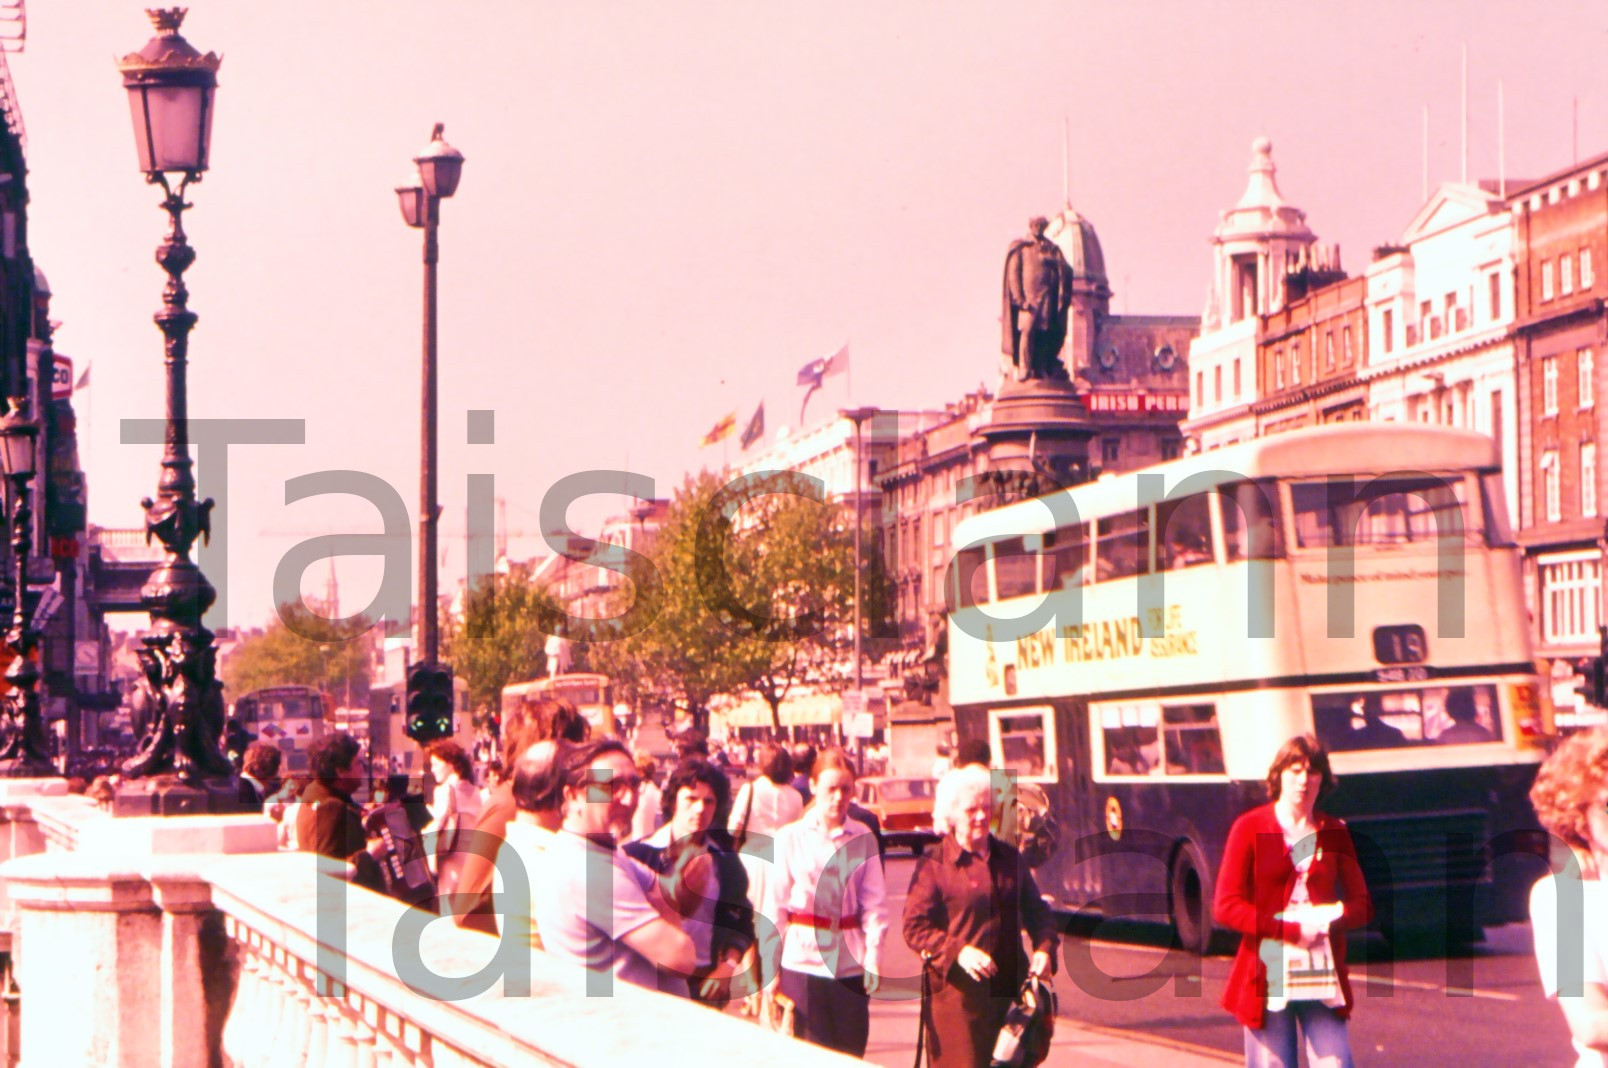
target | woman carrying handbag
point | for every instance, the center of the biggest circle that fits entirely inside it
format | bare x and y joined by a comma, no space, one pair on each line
966,914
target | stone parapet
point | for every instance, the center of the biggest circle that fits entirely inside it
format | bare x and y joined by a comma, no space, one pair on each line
356,977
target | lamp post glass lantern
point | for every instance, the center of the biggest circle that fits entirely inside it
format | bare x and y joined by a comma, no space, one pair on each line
438,169
24,751
178,702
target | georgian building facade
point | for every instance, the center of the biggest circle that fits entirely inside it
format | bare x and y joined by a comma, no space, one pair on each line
1440,321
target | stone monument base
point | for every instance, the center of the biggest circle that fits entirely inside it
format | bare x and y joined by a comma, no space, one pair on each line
165,795
1037,437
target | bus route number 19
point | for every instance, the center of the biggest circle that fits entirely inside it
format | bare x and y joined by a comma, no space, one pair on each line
1401,643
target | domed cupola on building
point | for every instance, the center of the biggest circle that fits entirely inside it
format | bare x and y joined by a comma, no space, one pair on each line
1258,241
1091,290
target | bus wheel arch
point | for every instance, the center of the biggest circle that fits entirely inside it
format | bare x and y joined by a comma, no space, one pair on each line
1189,896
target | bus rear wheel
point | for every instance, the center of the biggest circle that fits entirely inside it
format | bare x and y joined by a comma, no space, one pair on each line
1189,904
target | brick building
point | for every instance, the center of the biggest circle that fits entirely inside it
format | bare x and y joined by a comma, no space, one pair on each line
1309,353
1561,238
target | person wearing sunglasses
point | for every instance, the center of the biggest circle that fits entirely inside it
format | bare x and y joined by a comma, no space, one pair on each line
626,935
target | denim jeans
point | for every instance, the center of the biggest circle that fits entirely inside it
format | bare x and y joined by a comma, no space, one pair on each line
1274,1046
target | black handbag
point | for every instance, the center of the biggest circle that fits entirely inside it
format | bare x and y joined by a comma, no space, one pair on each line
1024,1041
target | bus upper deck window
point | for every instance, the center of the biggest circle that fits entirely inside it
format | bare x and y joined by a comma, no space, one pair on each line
1015,569
1251,528
1064,550
1123,546
1382,511
1183,533
969,578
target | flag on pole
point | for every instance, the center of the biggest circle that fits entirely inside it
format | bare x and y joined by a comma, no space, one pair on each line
83,379
721,430
813,372
755,428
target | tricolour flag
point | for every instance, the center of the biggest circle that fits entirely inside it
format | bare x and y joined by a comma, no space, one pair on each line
756,426
721,430
813,372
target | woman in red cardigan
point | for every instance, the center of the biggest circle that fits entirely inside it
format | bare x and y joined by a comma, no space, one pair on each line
1291,886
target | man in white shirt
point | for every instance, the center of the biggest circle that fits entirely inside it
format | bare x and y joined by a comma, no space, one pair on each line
592,904
538,787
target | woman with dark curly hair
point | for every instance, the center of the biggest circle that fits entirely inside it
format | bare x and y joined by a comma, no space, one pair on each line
721,921
1569,908
1291,886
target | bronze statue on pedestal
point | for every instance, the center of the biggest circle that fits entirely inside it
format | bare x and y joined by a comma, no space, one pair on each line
1037,298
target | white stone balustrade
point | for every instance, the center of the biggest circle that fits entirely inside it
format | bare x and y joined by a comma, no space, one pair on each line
132,950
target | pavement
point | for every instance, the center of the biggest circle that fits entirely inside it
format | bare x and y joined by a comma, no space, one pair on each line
893,1044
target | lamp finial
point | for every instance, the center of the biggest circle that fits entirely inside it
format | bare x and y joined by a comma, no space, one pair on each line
167,19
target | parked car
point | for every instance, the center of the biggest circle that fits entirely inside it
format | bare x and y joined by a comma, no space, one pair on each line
904,807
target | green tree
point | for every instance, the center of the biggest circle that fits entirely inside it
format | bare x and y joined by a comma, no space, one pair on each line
301,648
755,593
500,638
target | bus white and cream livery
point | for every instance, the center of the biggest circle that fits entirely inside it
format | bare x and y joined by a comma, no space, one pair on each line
1140,646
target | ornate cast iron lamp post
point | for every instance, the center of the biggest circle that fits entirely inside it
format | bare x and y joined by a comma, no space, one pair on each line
439,168
24,753
179,702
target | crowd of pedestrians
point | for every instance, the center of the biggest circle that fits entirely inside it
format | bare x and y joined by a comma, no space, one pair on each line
772,896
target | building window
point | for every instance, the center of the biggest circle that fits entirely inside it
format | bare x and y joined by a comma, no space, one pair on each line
1278,368
1387,332
1345,350
1546,280
1217,384
1328,350
1569,599
1587,279
1549,386
1550,486
1295,363
1495,281
1565,275
1588,479
1586,378
1110,449
1236,378
1200,388
1171,449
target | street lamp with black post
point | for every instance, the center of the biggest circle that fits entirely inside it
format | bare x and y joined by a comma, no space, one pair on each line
858,416
439,167
24,754
180,762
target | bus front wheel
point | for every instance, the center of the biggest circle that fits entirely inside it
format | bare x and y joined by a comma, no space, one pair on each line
1190,903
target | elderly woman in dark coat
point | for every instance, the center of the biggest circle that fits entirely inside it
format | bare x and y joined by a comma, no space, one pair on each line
966,914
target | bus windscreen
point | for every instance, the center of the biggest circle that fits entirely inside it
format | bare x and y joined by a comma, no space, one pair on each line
1394,719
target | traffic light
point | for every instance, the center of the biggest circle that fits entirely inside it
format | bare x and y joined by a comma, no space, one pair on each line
429,713
1594,688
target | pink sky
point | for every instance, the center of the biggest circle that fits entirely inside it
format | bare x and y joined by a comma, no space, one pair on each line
669,207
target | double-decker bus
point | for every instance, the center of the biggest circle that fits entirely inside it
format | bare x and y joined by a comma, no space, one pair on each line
1142,645
291,717
590,693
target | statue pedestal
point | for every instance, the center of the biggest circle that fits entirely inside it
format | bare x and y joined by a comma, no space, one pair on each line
165,795
1041,428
